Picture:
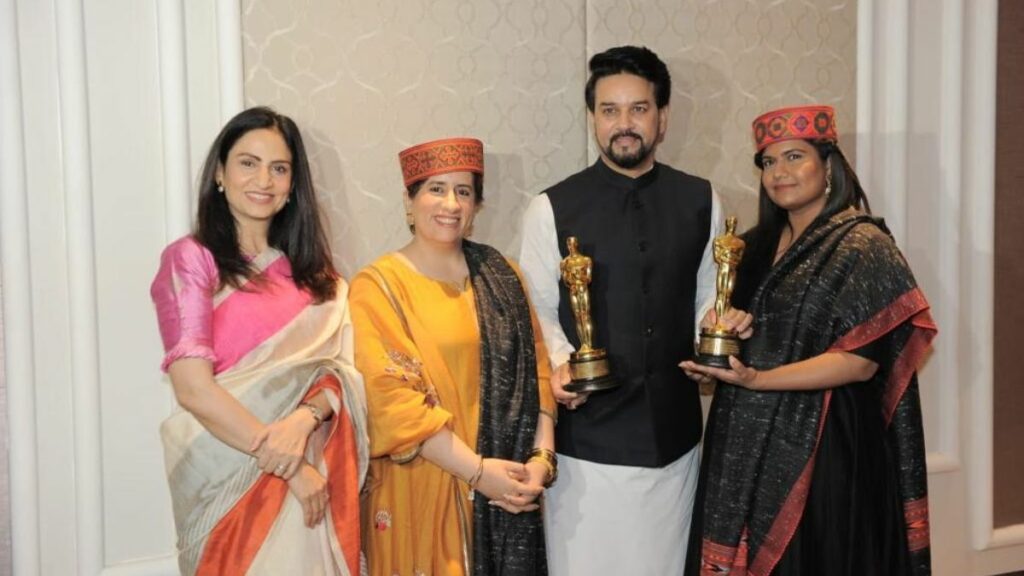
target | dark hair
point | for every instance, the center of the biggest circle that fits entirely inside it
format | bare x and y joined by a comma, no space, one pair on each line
296,230
478,191
763,238
635,60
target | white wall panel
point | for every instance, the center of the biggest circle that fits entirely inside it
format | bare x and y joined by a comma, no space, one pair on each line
106,183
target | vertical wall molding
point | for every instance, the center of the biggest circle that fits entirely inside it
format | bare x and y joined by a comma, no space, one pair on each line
882,95
17,303
978,256
948,210
229,42
883,126
75,149
174,117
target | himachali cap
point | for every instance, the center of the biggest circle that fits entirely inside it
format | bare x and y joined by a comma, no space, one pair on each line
441,156
793,123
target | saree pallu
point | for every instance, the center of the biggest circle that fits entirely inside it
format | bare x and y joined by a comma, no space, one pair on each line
230,517
843,287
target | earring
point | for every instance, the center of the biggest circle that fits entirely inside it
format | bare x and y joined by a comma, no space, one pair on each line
287,199
409,219
828,180
220,187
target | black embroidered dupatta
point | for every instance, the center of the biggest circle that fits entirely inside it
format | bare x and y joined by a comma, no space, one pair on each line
504,544
843,286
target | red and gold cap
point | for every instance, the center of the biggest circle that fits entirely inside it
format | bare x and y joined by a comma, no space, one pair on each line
793,123
441,156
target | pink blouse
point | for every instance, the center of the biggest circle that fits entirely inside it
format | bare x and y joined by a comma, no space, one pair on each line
190,325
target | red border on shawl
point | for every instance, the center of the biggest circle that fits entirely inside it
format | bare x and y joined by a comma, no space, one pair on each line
237,538
784,526
911,306
721,559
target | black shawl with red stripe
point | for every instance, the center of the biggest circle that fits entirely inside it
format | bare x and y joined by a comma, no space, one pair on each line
843,286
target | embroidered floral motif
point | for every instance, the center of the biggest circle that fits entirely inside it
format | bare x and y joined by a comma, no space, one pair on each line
382,520
410,370
403,363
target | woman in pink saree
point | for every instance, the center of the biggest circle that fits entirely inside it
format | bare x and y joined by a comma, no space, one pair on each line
267,452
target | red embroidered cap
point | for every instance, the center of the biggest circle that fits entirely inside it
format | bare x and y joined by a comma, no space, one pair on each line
795,122
440,157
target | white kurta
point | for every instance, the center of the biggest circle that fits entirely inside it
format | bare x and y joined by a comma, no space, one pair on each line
600,518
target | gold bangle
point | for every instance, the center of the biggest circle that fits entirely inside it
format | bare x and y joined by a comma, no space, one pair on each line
550,461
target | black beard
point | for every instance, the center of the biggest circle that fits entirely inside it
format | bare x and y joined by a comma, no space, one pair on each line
628,160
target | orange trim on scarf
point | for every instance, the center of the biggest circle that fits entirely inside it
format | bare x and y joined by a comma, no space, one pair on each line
915,513
237,538
721,559
340,458
910,306
786,521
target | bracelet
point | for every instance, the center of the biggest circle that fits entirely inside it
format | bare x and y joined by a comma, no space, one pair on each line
475,478
550,461
314,411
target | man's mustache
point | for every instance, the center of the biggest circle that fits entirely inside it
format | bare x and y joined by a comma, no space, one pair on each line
629,134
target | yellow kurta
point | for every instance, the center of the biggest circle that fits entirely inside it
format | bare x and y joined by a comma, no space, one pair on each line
417,381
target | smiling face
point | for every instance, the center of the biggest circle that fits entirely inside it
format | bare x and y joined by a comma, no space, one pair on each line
628,125
793,175
257,177
444,207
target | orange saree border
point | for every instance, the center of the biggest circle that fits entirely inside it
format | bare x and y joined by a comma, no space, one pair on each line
236,540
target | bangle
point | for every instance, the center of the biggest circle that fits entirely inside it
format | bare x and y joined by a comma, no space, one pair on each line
315,412
475,478
550,461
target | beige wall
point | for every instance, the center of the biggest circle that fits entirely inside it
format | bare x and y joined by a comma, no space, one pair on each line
366,79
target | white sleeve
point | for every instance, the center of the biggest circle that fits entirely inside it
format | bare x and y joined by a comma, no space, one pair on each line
539,259
707,272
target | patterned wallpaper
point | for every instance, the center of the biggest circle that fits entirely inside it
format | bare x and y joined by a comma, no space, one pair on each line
366,79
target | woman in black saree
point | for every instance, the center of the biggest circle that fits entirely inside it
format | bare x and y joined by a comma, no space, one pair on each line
814,459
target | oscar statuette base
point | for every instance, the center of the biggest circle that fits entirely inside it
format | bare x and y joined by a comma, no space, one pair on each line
590,372
716,345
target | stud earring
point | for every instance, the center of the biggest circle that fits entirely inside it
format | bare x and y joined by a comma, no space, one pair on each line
220,187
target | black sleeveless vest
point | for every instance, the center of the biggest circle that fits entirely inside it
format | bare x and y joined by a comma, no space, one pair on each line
646,237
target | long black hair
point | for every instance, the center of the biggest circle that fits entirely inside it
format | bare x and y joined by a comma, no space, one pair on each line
763,239
296,230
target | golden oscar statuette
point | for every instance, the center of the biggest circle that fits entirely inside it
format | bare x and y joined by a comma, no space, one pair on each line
718,343
588,366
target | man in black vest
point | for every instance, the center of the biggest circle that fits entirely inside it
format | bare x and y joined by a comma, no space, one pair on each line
628,457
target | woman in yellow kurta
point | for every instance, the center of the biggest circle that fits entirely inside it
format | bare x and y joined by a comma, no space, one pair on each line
461,415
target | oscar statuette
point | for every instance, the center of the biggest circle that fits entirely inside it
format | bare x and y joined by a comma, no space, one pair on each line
718,343
588,366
